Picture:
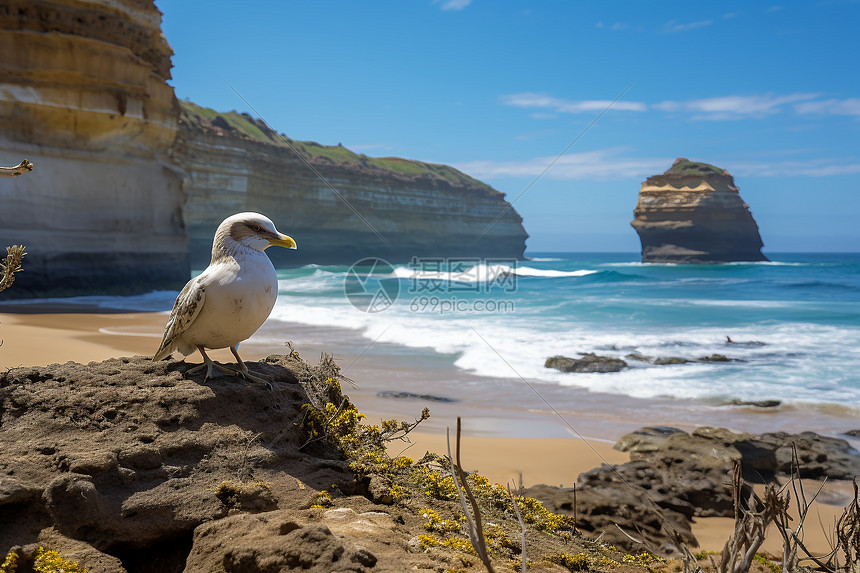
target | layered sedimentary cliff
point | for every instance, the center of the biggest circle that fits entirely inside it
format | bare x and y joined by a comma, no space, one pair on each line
693,213
339,206
83,95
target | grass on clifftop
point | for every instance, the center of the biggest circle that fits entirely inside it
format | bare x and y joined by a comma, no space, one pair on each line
683,166
245,126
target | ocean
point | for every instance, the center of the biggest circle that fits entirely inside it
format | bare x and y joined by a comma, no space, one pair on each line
795,321
478,333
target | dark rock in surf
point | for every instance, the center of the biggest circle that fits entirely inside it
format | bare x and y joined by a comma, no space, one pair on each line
588,363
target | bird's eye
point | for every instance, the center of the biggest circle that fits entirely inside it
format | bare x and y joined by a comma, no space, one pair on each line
256,228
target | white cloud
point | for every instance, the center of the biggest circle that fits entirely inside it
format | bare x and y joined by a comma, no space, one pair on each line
559,105
453,4
675,26
605,164
730,107
616,164
850,106
734,107
809,168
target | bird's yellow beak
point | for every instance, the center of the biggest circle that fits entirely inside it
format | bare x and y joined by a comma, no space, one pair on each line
283,241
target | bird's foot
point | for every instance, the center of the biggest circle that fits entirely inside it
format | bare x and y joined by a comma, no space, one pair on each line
212,371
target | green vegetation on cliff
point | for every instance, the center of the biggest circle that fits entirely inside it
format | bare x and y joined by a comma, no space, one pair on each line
683,166
244,126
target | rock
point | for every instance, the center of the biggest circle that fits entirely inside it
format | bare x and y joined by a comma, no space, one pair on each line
73,502
603,504
588,363
664,360
716,358
414,396
762,456
649,439
147,475
694,214
639,357
84,554
421,210
87,92
755,403
13,491
853,433
274,541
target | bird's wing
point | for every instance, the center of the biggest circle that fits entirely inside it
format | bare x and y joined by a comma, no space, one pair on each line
185,310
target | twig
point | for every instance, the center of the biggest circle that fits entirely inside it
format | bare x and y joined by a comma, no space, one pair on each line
750,524
522,527
470,509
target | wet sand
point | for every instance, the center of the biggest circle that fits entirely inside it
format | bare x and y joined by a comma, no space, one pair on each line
511,436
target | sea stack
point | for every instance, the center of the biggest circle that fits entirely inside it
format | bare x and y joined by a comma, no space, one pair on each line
693,214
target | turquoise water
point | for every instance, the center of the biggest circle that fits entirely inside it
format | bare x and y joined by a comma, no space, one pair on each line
795,321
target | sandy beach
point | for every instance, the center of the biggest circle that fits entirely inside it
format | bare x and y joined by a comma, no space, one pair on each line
548,453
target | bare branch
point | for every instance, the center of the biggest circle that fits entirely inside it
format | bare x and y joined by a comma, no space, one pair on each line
470,509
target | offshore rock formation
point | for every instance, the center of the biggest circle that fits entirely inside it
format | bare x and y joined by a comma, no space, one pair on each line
693,213
339,206
83,95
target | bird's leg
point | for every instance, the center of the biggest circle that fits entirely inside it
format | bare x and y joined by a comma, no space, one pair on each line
209,365
243,370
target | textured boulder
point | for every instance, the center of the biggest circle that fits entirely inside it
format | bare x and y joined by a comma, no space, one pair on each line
761,456
694,214
674,476
85,98
588,362
339,206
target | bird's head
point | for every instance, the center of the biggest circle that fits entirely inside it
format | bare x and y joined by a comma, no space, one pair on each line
255,231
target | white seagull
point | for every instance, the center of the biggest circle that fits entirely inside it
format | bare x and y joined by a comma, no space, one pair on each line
231,299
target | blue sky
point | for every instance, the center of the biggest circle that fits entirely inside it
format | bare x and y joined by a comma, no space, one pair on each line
499,89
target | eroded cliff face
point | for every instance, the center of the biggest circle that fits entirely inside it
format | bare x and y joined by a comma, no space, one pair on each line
339,206
83,95
694,214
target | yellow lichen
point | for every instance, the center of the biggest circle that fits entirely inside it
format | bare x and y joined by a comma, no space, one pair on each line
10,563
436,523
323,500
578,562
399,493
49,561
427,541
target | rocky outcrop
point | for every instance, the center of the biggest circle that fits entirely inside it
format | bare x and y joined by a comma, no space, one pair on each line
134,465
339,206
84,96
675,476
694,214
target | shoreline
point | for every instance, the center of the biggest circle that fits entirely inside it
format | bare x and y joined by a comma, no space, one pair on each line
512,438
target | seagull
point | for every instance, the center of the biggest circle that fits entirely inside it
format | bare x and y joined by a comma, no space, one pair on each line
231,299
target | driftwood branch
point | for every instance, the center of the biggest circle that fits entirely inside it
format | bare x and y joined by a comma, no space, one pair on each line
23,167
752,516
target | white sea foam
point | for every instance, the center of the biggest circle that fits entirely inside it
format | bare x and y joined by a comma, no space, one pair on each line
483,273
